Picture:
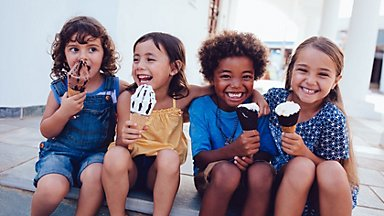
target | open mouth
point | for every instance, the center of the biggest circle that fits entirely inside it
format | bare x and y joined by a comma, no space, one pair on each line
235,95
143,78
309,91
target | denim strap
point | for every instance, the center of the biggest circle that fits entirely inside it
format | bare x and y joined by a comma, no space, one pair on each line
59,86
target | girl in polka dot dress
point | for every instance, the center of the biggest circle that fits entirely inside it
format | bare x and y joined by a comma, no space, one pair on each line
316,167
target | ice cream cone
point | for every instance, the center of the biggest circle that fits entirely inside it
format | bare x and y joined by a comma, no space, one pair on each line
288,129
72,92
248,115
288,115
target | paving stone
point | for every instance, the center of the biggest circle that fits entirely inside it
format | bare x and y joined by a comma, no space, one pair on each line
362,211
368,198
370,163
371,177
14,155
379,191
23,136
5,128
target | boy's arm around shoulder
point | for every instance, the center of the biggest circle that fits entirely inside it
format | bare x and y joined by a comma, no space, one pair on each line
261,102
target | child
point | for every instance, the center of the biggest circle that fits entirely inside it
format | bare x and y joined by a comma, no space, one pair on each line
231,62
78,128
159,61
316,163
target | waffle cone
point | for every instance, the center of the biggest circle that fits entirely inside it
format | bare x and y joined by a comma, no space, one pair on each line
72,92
289,129
140,120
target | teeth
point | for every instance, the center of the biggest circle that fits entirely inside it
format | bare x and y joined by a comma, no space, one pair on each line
309,91
142,76
235,95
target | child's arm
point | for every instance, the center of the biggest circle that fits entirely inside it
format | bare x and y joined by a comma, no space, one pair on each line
56,116
122,85
126,129
293,144
246,144
259,99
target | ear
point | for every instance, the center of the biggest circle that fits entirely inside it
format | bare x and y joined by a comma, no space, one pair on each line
338,78
176,67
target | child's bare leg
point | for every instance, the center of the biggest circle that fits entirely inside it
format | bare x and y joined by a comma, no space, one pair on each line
294,188
259,182
334,190
119,172
224,180
164,179
51,190
91,191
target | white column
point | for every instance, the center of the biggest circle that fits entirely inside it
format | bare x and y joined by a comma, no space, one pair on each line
359,55
329,18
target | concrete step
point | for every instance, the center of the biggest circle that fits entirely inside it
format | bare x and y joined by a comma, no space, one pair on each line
187,200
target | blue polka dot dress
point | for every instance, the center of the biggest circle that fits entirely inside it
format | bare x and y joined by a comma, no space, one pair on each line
325,134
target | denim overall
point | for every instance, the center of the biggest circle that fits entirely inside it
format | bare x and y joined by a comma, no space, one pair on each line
84,139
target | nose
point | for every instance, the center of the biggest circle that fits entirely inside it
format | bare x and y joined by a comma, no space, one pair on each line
311,79
138,64
83,55
235,83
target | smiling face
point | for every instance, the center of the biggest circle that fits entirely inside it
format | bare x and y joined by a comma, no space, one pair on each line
91,53
313,77
233,81
151,66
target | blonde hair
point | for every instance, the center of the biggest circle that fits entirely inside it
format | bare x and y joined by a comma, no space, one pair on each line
336,55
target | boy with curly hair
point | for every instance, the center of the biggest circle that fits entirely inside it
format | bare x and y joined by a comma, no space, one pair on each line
230,162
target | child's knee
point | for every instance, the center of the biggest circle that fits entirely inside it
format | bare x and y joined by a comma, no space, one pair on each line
331,175
117,159
53,187
225,175
261,175
168,160
92,174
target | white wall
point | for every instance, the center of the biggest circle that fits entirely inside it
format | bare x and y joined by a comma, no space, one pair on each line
28,29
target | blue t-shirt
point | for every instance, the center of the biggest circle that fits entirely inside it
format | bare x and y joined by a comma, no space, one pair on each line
205,134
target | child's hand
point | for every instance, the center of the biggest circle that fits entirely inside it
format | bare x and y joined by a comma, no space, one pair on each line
293,144
130,133
70,106
248,143
261,102
243,162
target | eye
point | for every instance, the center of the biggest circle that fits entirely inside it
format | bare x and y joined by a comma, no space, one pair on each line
323,74
225,76
247,77
73,49
302,70
151,59
92,49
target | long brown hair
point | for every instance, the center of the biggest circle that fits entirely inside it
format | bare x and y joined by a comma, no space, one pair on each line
336,55
178,87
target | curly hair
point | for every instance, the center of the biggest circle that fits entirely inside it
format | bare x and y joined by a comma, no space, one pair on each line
232,44
82,27
178,87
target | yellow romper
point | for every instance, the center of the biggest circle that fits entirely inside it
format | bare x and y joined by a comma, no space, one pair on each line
165,131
